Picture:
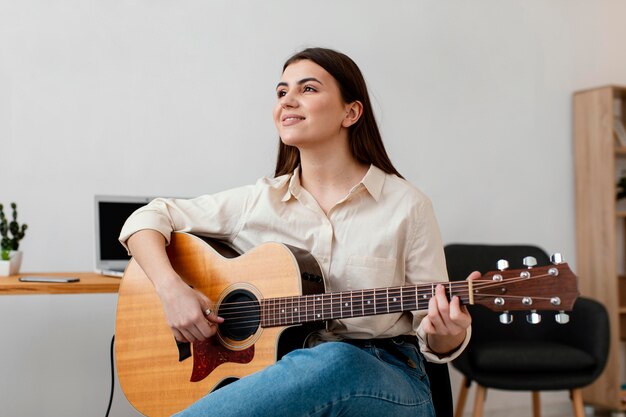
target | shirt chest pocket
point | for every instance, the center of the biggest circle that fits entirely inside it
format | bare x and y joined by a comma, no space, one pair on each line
364,272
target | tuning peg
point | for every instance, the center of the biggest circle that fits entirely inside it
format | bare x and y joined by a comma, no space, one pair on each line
561,317
503,264
529,261
556,258
533,317
506,318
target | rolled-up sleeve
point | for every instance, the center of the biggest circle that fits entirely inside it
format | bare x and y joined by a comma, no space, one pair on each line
216,216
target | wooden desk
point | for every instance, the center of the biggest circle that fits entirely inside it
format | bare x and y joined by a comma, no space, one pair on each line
90,282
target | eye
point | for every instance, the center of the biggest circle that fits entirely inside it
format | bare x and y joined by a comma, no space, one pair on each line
308,89
281,93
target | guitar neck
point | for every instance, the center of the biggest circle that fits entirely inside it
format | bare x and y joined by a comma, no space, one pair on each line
286,311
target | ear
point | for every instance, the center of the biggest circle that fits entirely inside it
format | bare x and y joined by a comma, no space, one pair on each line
354,111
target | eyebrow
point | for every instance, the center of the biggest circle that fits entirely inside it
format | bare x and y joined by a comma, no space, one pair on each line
302,81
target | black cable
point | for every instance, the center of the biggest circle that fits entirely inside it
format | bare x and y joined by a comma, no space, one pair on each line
112,378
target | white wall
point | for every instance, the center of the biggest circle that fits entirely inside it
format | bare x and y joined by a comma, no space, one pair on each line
175,97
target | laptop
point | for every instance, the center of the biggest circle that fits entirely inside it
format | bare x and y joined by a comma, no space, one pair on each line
110,214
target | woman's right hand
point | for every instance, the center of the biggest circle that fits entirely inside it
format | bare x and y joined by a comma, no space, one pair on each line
184,307
185,311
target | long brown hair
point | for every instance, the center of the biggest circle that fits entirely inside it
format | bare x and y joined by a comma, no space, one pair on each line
364,138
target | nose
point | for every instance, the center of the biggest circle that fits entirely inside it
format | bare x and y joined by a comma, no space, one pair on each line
288,100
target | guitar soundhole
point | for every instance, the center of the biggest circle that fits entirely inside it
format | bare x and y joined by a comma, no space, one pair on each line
242,315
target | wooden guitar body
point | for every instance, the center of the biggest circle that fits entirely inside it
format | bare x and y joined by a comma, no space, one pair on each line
156,374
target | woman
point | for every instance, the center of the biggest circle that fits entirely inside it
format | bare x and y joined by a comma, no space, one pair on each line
336,194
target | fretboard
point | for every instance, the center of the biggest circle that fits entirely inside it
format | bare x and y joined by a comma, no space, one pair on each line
338,305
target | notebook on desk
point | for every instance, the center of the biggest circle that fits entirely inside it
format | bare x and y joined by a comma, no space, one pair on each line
110,214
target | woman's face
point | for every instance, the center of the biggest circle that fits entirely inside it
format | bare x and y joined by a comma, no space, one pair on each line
309,110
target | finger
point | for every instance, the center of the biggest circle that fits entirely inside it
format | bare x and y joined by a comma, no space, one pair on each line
433,315
427,325
210,312
179,336
189,337
442,298
474,275
457,312
198,328
215,319
443,305
212,316
205,329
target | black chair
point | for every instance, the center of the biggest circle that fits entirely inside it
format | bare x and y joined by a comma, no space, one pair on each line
520,356
439,377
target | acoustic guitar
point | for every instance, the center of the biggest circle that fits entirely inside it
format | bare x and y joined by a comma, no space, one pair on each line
271,298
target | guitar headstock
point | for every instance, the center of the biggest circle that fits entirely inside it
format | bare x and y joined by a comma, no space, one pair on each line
553,287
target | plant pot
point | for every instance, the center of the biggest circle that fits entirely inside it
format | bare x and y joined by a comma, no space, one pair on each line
12,266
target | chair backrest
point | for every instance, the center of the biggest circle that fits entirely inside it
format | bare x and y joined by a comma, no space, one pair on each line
462,259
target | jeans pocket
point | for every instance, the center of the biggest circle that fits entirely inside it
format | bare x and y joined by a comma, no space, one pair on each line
414,363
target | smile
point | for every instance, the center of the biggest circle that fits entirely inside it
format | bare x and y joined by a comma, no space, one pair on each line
291,119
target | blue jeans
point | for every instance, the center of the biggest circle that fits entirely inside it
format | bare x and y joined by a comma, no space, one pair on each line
331,379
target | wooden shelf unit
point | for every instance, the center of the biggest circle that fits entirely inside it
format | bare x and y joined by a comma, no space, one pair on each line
601,228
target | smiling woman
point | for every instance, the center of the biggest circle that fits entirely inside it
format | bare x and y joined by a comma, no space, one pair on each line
333,183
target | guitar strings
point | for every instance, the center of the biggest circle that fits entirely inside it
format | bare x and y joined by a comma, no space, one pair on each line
256,319
410,291
331,300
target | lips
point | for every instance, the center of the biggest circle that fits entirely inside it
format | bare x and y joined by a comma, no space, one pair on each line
291,119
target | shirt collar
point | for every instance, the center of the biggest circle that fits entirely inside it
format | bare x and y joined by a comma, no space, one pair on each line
372,181
293,188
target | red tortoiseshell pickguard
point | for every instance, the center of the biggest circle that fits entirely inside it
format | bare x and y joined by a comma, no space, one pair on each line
210,354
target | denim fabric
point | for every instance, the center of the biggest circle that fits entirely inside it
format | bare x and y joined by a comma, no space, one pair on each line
331,379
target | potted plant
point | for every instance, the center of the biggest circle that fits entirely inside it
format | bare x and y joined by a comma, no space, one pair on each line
10,256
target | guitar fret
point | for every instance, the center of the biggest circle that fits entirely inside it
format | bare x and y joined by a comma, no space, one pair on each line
282,316
295,311
347,304
268,315
320,308
351,304
300,309
328,306
334,305
409,298
277,315
357,303
394,299
387,298
370,302
340,305
380,301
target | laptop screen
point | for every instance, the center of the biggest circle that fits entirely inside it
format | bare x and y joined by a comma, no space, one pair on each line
110,214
